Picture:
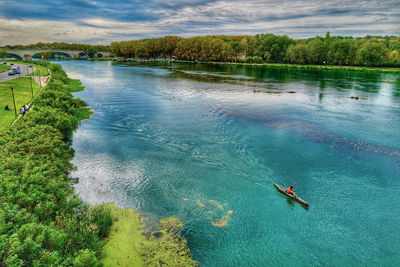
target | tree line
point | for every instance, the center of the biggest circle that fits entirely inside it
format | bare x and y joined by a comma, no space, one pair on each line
367,51
60,46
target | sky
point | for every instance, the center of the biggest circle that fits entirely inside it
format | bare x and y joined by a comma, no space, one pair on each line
105,21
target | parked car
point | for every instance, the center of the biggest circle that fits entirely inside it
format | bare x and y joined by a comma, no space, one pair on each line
11,64
14,71
5,63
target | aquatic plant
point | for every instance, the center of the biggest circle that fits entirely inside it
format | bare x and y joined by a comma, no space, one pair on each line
133,243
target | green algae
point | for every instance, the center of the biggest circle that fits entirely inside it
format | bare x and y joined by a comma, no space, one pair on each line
213,210
223,221
165,246
130,244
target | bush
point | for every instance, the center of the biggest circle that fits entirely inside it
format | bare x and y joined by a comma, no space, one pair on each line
42,221
255,59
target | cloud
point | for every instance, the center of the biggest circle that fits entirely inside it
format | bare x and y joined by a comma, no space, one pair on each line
97,21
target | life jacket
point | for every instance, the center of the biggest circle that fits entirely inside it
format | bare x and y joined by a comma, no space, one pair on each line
289,190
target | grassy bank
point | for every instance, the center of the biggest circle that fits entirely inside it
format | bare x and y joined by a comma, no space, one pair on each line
99,59
4,67
43,222
40,70
22,95
318,67
269,65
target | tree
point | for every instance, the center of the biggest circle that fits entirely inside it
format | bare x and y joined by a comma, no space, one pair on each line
342,52
3,55
115,48
394,57
318,51
91,52
299,54
275,46
372,53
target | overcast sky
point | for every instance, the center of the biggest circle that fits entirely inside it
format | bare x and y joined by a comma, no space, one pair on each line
104,21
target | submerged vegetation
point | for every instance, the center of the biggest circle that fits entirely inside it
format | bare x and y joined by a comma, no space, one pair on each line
268,48
130,243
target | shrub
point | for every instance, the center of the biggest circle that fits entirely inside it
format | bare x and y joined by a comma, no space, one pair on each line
42,221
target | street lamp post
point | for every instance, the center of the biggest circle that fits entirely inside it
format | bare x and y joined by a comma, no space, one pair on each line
12,92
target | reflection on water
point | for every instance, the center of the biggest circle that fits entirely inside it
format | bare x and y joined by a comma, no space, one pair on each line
206,143
340,80
319,134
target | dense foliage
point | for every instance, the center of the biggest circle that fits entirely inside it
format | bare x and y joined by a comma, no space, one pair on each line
89,50
368,51
42,221
60,46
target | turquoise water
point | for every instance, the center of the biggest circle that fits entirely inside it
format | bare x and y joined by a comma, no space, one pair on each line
206,143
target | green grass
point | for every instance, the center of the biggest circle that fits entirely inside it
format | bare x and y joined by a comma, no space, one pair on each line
42,71
99,59
314,67
4,67
274,65
22,94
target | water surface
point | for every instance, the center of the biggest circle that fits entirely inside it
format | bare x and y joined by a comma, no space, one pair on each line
206,143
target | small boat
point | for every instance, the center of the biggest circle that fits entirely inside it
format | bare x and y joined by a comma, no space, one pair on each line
283,189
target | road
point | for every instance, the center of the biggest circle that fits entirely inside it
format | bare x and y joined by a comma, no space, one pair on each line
23,68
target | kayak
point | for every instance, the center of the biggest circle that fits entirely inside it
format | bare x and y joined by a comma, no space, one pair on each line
283,189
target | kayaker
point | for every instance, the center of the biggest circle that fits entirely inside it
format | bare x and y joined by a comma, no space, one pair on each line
290,190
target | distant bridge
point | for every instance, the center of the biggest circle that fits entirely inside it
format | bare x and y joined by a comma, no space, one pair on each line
71,54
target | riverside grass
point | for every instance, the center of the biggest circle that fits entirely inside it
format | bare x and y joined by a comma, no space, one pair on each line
22,95
267,65
42,221
4,67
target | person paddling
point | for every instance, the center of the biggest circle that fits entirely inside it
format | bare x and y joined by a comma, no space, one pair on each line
290,190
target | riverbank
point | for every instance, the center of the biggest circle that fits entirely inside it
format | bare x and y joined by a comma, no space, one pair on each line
45,222
268,65
22,95
24,91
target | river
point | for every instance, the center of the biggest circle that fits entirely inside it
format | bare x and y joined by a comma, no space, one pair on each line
206,143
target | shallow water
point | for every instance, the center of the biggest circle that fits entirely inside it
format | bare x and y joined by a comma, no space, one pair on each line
206,143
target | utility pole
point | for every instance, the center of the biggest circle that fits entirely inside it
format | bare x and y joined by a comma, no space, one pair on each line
30,79
12,92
